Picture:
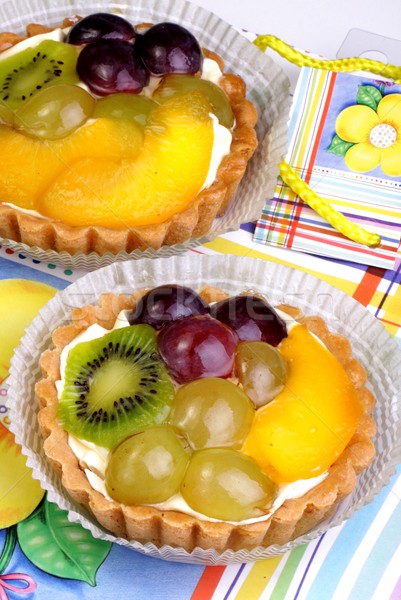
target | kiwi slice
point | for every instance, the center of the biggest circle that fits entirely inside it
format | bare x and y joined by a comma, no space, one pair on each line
115,386
23,74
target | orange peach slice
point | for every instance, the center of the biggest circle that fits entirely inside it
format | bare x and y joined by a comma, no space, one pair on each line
161,181
307,426
28,165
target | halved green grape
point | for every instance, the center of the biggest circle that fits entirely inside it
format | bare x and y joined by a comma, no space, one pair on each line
178,84
225,484
261,370
212,412
125,106
55,112
147,468
6,115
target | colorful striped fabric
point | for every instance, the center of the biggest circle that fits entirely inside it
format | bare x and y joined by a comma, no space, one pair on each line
371,200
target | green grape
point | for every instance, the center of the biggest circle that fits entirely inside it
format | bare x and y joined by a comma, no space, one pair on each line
147,468
225,484
6,116
178,84
125,106
261,370
55,112
212,412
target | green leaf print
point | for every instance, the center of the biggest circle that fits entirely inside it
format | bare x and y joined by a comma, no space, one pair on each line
339,146
368,95
59,547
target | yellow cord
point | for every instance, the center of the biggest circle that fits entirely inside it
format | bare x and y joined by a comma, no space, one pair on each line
327,212
288,175
339,65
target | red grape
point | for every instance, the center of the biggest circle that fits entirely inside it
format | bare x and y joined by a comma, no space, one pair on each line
198,347
252,318
170,48
101,26
109,67
167,303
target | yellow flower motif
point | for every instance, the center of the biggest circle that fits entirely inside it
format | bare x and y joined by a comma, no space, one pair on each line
376,135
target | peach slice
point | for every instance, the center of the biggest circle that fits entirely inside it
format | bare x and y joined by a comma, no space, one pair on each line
162,180
29,165
306,427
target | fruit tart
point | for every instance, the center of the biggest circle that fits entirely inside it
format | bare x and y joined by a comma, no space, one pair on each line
117,137
198,419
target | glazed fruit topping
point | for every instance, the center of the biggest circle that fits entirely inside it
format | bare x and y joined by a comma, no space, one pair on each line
114,386
117,59
104,52
112,66
171,85
167,303
125,106
309,423
212,412
148,467
163,178
55,112
261,369
24,74
252,318
101,26
198,347
223,444
225,484
170,48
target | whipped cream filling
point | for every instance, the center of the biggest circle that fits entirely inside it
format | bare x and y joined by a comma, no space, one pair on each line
211,71
93,459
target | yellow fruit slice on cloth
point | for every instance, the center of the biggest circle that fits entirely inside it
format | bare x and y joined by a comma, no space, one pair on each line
307,426
165,177
29,165
20,300
19,492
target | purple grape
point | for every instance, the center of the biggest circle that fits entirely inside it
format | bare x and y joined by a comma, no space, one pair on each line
165,304
170,48
101,26
251,318
198,347
109,67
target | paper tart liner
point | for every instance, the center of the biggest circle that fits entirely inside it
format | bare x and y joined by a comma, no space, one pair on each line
371,345
267,88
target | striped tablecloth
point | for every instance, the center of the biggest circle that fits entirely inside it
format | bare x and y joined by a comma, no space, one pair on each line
359,560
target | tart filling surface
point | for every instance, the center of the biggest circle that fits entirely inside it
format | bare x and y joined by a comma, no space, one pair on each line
222,449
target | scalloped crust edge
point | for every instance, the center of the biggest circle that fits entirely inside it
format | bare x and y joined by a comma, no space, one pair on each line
147,524
194,222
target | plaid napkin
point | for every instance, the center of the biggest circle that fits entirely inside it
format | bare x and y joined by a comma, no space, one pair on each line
345,142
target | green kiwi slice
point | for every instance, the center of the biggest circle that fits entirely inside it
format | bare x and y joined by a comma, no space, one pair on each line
115,386
28,71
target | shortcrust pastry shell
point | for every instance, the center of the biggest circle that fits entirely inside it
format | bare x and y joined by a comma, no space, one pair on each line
147,524
193,222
